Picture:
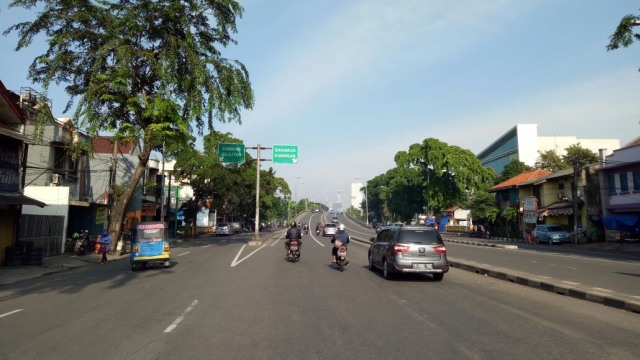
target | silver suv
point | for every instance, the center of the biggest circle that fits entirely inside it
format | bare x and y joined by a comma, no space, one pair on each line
409,249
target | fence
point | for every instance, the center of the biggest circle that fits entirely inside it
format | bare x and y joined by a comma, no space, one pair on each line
46,231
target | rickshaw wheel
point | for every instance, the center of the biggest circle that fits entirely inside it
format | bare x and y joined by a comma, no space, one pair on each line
167,263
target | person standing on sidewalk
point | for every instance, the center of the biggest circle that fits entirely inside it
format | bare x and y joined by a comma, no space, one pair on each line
105,245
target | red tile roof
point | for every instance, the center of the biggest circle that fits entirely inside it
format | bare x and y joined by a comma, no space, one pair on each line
525,177
104,145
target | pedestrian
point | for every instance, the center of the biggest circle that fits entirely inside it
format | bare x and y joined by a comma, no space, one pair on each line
105,245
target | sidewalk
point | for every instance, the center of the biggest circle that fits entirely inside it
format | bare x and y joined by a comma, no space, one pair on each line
64,262
51,265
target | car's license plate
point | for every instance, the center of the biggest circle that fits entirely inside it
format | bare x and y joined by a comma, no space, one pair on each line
423,266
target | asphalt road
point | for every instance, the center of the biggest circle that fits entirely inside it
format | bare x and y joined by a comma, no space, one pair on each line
225,299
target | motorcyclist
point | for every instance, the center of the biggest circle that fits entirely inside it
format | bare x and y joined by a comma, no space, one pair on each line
318,228
341,235
305,227
293,234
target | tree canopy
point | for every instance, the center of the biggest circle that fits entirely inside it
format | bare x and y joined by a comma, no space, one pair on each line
148,71
230,188
550,160
430,176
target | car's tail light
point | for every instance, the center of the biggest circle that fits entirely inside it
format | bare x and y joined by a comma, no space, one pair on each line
400,248
440,249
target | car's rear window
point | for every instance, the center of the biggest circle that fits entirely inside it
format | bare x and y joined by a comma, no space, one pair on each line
425,237
223,225
330,225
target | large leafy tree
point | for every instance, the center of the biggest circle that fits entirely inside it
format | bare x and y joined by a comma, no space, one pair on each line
447,173
142,69
578,157
484,207
550,160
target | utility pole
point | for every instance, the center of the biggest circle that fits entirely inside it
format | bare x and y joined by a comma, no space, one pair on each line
162,199
575,202
112,180
256,225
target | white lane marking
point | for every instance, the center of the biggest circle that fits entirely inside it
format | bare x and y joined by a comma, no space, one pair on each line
570,282
236,261
601,289
11,312
278,239
181,317
206,246
316,240
184,253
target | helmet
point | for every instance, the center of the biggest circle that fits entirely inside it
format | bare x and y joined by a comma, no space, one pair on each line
293,224
341,227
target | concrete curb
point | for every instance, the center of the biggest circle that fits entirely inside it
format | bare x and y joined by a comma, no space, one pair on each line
615,300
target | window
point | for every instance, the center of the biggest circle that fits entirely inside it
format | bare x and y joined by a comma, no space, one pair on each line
624,185
636,180
611,180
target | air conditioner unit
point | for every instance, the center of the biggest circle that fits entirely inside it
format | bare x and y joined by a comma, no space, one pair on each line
55,179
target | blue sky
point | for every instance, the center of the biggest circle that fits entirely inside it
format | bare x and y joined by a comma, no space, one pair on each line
354,82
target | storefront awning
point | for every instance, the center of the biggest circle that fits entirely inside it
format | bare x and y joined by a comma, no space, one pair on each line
12,198
626,222
558,209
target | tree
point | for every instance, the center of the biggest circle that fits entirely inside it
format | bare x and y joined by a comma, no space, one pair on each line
578,157
483,206
513,168
447,173
142,69
624,35
550,160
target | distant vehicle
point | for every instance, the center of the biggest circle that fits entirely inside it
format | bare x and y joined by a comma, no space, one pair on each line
551,234
335,220
223,229
329,229
236,228
409,249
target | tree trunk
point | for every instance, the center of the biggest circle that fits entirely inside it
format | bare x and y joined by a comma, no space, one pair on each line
122,202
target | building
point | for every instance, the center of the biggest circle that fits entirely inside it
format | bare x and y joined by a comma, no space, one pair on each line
523,144
14,146
58,173
620,192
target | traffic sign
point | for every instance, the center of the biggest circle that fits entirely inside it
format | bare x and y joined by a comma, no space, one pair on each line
231,153
284,154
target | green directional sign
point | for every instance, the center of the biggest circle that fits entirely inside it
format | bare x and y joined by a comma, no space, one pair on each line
284,154
231,153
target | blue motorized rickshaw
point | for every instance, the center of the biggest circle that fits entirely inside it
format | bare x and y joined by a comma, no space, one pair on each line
149,244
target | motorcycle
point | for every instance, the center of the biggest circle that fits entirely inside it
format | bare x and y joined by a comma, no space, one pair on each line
80,247
294,251
341,256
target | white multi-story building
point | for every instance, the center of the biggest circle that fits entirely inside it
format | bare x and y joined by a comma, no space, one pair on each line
522,142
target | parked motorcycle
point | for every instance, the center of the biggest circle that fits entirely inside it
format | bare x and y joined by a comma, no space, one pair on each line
80,247
341,256
294,251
